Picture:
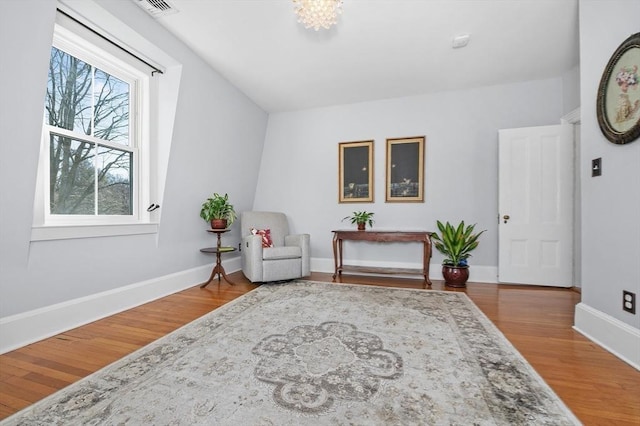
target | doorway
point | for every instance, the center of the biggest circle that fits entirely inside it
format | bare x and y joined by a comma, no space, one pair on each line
536,206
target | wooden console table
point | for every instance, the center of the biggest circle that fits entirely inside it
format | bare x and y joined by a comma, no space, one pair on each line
218,250
382,237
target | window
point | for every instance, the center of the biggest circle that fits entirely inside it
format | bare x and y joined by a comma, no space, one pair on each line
95,160
92,154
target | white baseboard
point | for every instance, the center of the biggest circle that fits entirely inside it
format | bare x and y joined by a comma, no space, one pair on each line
477,274
615,336
29,327
22,329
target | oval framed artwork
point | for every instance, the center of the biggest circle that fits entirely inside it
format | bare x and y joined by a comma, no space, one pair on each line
618,103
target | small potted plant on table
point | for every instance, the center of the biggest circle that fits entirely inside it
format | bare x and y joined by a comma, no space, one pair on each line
456,243
361,219
218,211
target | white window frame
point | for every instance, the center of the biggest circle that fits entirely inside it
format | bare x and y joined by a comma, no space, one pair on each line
47,226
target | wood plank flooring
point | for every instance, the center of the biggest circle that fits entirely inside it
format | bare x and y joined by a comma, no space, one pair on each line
598,387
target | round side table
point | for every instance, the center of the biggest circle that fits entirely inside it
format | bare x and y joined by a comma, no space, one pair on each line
218,250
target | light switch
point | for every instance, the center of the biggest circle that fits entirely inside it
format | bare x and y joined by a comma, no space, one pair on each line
596,167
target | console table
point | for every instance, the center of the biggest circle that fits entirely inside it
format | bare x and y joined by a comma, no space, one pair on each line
218,250
382,237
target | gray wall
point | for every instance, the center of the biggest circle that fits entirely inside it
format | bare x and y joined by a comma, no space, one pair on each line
299,171
217,146
611,202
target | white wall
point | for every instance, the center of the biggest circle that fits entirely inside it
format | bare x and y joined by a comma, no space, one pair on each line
611,202
216,147
571,111
571,90
299,171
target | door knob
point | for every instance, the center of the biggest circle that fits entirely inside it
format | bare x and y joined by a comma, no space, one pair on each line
506,217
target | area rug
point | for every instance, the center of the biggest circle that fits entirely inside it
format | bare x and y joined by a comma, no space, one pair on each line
311,353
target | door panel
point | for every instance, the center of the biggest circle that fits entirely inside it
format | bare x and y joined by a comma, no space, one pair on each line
536,205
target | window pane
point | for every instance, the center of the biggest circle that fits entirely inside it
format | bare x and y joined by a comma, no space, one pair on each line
91,162
114,181
111,118
72,176
68,101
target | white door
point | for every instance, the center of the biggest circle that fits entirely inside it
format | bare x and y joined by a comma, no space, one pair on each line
536,206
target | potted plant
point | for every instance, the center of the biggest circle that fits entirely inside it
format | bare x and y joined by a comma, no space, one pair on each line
456,243
218,211
361,219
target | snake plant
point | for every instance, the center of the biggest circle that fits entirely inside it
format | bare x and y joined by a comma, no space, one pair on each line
455,242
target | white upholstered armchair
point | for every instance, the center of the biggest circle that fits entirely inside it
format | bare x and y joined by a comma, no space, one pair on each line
287,259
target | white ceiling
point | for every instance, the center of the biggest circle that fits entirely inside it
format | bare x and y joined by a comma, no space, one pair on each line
379,48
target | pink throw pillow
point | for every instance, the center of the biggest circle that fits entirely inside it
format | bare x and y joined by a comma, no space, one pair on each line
266,236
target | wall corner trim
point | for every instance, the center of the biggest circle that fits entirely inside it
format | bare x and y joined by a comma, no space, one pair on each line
572,117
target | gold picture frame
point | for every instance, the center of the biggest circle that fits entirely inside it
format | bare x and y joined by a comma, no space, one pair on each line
405,170
355,172
618,101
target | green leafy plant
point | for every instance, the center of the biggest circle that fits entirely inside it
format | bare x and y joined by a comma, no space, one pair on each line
361,218
218,207
456,242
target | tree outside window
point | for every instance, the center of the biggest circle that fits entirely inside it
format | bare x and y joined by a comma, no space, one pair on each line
91,156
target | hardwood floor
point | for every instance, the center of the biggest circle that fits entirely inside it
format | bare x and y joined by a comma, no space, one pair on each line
598,387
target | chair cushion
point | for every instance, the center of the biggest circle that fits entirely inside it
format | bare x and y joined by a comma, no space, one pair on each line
286,252
266,236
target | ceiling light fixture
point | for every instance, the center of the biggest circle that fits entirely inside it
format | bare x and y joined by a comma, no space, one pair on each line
318,14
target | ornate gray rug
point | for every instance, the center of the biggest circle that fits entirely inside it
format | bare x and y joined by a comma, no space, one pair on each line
318,354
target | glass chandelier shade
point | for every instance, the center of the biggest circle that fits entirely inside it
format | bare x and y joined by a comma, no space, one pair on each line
317,14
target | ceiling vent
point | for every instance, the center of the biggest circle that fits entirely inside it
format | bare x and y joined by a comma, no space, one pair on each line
157,8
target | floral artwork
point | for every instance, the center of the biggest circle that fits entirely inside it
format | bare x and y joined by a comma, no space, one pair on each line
618,103
626,78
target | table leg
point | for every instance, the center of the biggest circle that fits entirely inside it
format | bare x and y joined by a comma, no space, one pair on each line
219,271
335,256
425,262
340,265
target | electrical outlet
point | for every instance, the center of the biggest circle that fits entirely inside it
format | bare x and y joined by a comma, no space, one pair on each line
629,302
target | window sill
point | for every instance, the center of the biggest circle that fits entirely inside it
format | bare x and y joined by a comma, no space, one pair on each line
46,233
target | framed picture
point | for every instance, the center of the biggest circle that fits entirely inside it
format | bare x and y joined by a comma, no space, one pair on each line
355,175
618,103
405,170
